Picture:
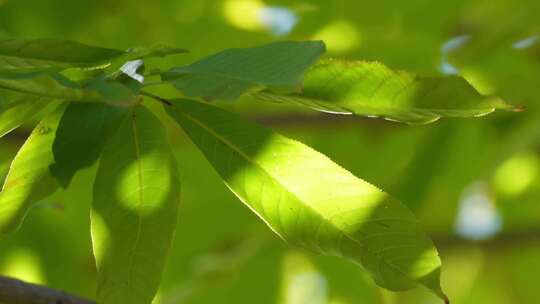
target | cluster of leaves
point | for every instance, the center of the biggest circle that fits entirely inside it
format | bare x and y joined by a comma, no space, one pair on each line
90,102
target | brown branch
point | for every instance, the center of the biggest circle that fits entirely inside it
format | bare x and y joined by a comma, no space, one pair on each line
18,292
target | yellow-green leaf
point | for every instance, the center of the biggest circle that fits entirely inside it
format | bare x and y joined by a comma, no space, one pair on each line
310,201
21,110
134,210
29,180
371,89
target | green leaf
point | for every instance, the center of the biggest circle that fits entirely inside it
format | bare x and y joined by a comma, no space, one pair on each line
142,53
159,50
229,74
111,92
51,54
29,180
20,55
136,197
81,135
46,84
310,201
55,86
19,111
372,89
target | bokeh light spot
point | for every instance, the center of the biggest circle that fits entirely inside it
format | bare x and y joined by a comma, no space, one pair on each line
340,36
478,218
243,14
517,174
24,265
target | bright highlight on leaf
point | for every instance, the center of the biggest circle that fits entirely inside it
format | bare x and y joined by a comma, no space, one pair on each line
302,195
373,90
134,210
311,202
29,180
21,110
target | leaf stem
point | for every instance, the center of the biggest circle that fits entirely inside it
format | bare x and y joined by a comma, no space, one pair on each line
155,97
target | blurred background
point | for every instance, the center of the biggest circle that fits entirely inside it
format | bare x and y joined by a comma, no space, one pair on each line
474,183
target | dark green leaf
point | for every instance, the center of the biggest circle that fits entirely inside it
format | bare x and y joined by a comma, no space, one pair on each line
56,86
51,54
46,84
19,55
29,179
136,197
111,92
142,53
229,74
311,202
81,135
371,89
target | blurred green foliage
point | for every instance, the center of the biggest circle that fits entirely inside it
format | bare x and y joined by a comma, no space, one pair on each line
223,254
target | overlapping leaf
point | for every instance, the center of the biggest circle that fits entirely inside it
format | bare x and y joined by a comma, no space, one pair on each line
81,135
17,112
136,197
51,54
310,201
229,74
53,85
20,55
29,180
372,89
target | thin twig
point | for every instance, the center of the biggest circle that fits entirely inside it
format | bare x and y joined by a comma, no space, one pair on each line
160,99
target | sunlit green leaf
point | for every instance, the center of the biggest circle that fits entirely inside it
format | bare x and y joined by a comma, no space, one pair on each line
136,197
81,135
372,89
51,54
19,111
29,180
310,201
229,74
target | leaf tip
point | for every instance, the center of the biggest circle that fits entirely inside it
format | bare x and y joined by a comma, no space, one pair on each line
440,293
518,108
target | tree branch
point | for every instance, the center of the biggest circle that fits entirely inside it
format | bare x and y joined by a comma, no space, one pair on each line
18,292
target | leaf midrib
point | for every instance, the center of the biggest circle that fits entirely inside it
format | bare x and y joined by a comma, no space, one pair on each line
421,110
187,72
233,147
135,132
